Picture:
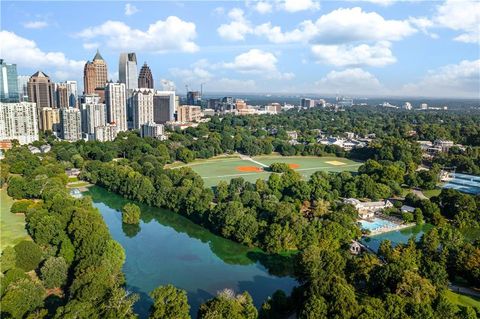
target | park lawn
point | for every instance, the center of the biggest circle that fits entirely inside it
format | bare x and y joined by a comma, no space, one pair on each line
224,168
431,192
12,226
462,300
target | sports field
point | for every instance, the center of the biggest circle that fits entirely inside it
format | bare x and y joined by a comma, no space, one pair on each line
12,227
224,169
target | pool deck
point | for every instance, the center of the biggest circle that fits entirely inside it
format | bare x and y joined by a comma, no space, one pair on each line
382,230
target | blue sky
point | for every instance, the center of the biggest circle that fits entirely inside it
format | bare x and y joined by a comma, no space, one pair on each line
375,47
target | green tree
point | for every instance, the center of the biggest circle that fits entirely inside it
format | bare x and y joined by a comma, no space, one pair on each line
29,255
8,259
54,272
314,308
131,214
228,306
21,297
169,302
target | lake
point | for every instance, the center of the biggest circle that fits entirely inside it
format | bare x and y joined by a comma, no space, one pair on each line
166,248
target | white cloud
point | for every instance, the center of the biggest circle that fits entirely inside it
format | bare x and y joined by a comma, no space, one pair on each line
237,28
256,61
35,24
349,55
299,5
341,26
423,24
172,34
379,2
195,74
130,9
350,82
454,80
461,16
263,7
16,49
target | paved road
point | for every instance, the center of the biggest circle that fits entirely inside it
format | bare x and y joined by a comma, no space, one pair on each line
419,194
464,290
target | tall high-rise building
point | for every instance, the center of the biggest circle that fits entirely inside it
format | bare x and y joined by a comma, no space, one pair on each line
194,98
49,119
127,70
62,95
145,78
71,124
164,106
93,115
72,93
22,81
95,75
307,103
240,104
142,107
116,100
41,90
8,82
18,121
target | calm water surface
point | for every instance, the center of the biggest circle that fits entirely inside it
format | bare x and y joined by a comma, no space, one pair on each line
167,248
397,237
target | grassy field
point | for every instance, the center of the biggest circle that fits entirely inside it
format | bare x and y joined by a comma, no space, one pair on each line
218,169
12,227
462,300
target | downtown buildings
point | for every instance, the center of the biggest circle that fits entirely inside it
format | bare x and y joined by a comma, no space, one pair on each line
8,82
127,71
95,76
18,121
145,78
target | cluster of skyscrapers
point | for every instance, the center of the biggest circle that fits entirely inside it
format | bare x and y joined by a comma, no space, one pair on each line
35,103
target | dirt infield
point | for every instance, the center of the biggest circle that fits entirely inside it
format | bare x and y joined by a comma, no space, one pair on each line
249,169
335,163
293,166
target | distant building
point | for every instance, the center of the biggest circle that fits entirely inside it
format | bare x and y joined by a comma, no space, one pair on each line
194,98
240,104
407,106
63,99
142,104
273,108
292,135
443,145
307,103
115,98
189,113
407,209
50,119
106,132
145,78
18,121
8,82
344,102
164,106
71,124
22,81
154,130
214,104
127,70
424,106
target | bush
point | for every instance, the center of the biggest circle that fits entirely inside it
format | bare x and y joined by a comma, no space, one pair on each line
8,259
29,255
54,272
408,217
279,167
20,206
131,214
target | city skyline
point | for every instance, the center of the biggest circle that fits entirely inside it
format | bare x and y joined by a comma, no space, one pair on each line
359,48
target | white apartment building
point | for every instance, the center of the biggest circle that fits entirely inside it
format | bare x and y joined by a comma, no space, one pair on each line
107,132
154,130
116,100
71,124
18,121
142,103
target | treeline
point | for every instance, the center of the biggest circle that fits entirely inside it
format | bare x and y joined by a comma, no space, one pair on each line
282,213
72,268
407,281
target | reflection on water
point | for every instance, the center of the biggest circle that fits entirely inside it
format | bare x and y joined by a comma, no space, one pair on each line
166,248
396,237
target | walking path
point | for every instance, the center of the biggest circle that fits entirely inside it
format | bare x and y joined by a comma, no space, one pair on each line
464,290
248,158
419,194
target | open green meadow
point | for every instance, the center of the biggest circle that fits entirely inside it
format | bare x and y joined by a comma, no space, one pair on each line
224,169
12,227
462,300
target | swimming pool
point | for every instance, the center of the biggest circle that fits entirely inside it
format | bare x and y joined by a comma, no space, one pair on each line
376,223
